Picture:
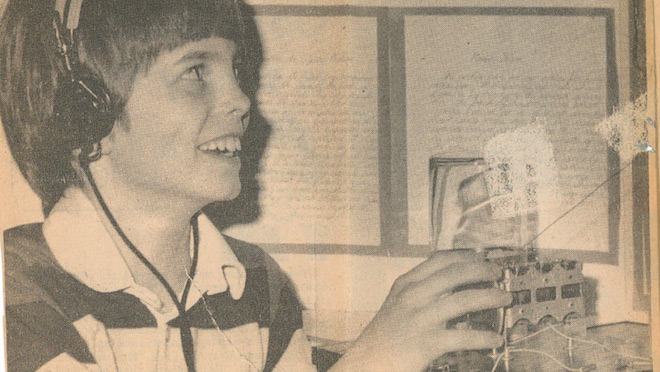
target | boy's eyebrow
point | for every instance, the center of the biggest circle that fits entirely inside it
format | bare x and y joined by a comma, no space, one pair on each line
198,55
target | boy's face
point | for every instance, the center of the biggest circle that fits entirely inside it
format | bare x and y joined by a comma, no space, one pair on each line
183,121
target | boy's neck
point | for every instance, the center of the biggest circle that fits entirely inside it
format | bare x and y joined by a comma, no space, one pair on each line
159,230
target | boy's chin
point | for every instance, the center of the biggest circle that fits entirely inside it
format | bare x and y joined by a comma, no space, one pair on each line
228,193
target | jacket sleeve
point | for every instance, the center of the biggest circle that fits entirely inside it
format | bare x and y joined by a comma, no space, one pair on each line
36,331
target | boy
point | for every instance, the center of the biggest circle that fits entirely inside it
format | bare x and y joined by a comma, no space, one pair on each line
126,118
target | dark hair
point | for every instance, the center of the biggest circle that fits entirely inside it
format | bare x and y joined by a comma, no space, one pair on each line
116,40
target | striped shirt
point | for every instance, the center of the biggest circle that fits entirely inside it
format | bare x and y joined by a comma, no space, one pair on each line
72,304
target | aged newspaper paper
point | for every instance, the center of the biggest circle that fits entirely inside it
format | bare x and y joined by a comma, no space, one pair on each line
381,130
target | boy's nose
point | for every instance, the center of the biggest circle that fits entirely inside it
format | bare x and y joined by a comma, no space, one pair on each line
239,103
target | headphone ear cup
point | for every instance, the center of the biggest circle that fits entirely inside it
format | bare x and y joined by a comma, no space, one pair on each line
96,109
83,110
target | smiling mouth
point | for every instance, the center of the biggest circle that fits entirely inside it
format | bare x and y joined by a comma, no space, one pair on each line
229,146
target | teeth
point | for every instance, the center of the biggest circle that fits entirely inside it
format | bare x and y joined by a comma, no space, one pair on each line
231,145
224,144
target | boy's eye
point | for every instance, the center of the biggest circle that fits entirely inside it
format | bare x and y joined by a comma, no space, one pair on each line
194,73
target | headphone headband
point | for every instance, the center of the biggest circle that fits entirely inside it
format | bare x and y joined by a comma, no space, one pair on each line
71,17
83,108
68,15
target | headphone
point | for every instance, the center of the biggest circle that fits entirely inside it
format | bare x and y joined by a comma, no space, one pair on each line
82,107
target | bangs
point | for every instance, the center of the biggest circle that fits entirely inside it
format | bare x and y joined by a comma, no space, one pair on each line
119,38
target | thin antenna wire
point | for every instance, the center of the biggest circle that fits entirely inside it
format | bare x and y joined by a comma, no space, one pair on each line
528,336
215,323
615,174
605,348
547,355
557,331
497,362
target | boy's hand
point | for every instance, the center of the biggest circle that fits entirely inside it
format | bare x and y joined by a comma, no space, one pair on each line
410,329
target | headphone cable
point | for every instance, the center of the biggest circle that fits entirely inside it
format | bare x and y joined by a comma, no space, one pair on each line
186,335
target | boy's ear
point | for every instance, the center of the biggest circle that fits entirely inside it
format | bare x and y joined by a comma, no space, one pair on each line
107,143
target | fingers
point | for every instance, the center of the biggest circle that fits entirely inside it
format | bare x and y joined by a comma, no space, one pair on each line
460,303
461,273
472,300
438,261
450,277
463,302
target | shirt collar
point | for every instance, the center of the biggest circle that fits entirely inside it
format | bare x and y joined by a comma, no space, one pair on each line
83,247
